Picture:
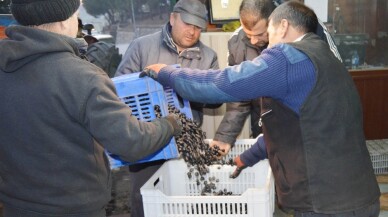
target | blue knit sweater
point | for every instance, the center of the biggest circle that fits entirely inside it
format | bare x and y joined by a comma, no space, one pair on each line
281,72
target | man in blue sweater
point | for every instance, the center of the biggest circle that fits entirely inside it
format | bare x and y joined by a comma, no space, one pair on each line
310,114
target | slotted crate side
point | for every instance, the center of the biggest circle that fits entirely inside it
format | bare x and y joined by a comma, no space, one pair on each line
142,95
175,100
239,147
170,193
142,105
378,150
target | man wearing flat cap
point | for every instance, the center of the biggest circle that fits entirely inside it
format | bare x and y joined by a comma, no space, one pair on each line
177,43
58,115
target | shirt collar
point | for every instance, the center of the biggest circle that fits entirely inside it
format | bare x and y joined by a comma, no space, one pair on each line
300,38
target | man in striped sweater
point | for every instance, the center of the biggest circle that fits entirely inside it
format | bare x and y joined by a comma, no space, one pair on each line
311,117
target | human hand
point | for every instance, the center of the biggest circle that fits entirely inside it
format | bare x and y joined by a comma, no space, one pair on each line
223,147
152,71
240,166
175,122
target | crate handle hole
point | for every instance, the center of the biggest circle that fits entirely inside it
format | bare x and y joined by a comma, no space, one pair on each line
156,182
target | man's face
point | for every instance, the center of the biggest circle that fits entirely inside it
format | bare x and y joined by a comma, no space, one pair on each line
258,34
274,35
184,35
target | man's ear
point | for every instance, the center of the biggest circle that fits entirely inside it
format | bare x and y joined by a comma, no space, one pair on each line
283,27
64,27
172,18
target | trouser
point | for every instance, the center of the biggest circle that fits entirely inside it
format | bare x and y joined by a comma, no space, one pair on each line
139,175
369,211
9,211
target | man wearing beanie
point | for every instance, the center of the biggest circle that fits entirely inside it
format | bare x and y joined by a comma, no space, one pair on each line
58,115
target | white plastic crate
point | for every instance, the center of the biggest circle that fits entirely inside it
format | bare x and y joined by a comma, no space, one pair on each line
378,150
170,193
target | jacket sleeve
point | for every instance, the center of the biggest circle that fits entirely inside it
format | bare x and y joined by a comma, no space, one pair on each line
233,122
255,154
263,76
111,123
236,112
131,61
231,51
215,64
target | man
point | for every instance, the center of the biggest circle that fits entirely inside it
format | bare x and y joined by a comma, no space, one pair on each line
247,43
58,114
310,113
177,43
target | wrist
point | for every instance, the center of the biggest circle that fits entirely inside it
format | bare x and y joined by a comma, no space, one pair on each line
239,162
176,124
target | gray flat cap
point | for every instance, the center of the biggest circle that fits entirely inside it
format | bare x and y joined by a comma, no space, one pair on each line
192,12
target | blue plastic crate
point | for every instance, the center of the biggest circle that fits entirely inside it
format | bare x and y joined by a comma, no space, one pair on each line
141,95
174,99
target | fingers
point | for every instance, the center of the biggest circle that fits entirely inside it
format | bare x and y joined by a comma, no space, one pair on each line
176,123
240,166
236,172
223,147
152,71
156,67
145,72
149,72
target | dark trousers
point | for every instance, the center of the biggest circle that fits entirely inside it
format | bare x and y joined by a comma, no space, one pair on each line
139,175
369,211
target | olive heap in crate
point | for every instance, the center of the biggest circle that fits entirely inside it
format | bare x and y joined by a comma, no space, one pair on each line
197,153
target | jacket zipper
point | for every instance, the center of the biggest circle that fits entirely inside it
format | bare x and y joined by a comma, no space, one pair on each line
262,115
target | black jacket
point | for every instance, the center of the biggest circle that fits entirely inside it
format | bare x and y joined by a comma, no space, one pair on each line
240,49
58,114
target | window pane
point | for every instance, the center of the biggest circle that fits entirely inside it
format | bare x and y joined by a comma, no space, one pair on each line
360,28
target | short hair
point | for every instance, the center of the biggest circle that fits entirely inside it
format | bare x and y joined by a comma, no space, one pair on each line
251,11
297,14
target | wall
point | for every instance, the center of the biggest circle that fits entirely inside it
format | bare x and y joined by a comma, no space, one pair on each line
372,85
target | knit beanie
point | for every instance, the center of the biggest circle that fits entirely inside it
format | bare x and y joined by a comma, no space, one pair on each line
37,12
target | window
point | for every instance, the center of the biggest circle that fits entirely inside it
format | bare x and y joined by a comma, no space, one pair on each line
360,28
